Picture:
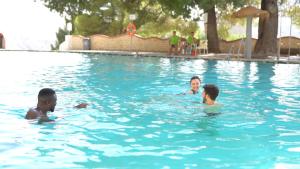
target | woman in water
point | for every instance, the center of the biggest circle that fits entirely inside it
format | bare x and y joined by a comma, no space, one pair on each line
195,84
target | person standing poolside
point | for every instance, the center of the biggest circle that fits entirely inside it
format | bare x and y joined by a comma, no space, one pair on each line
190,42
182,46
46,102
195,84
174,41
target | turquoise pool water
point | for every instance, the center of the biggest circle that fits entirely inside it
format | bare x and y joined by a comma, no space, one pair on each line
136,120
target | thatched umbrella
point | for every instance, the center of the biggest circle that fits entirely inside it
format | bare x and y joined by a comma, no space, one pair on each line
249,12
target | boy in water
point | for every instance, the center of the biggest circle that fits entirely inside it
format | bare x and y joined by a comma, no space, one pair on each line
46,102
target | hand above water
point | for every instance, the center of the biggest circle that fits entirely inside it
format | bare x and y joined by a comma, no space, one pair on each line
81,105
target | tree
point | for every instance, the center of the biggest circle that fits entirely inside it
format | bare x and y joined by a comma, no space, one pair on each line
146,11
87,25
67,8
184,8
113,14
294,13
266,44
165,26
60,36
212,33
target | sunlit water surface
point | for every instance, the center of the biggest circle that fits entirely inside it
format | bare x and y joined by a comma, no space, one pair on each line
136,119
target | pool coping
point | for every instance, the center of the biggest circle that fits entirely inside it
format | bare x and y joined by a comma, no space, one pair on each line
210,56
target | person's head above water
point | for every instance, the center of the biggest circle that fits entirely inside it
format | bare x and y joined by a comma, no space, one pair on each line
210,94
195,83
47,100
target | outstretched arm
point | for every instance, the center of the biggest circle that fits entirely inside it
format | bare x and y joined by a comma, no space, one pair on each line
81,105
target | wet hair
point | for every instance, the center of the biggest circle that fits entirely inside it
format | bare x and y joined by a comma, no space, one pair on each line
46,93
195,77
211,90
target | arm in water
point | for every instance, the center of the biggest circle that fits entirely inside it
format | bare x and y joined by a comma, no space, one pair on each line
81,105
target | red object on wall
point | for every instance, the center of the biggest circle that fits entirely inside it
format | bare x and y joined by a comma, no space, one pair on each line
131,29
194,52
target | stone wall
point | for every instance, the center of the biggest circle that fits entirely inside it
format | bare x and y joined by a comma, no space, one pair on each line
235,46
137,43
72,42
227,46
126,43
294,45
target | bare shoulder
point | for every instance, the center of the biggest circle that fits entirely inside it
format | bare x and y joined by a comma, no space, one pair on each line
31,114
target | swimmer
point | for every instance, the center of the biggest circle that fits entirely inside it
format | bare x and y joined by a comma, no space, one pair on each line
46,102
209,95
195,83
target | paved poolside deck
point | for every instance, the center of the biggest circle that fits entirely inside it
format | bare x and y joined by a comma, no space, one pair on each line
211,56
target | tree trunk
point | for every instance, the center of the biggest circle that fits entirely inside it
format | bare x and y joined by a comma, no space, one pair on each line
267,31
73,24
212,33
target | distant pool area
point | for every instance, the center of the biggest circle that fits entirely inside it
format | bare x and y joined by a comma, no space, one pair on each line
210,56
137,120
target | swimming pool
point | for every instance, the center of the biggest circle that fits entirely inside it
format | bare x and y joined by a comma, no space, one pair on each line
136,120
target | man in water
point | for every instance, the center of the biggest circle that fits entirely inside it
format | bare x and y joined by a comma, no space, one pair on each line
209,95
46,102
195,83
174,40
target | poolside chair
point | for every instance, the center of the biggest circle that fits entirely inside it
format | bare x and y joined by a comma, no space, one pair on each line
203,47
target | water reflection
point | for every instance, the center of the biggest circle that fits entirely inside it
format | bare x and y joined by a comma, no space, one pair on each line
136,117
231,71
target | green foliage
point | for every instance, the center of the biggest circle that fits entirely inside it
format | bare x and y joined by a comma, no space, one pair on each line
223,31
154,17
177,8
113,13
145,10
183,8
164,27
225,8
60,37
294,12
88,25
114,28
232,37
66,7
226,22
